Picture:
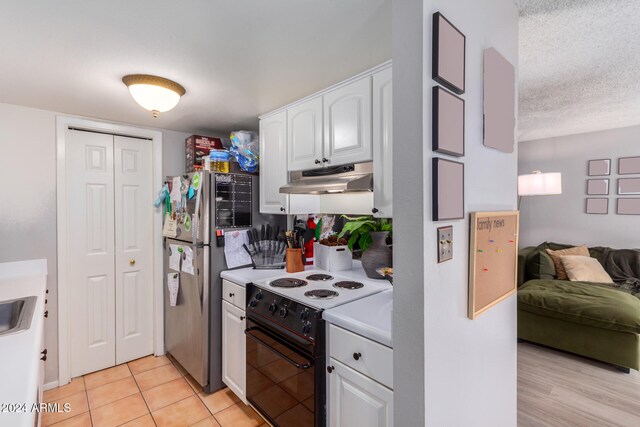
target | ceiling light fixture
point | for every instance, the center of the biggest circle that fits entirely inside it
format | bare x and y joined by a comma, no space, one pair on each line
154,93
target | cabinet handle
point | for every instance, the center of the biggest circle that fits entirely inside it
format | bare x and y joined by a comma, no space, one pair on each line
242,317
317,162
46,313
44,358
330,369
374,210
231,294
357,356
44,352
282,209
325,160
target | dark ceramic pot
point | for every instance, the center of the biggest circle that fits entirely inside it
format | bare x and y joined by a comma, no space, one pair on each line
377,255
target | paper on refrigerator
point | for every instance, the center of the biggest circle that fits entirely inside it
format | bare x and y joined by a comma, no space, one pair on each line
169,228
234,253
187,261
175,195
173,283
175,253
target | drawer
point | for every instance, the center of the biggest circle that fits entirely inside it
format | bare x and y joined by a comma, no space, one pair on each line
233,294
365,356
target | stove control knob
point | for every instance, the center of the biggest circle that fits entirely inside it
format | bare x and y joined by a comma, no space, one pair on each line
273,307
306,328
283,312
259,295
253,302
304,315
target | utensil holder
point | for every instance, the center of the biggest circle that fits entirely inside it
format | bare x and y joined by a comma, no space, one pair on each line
294,260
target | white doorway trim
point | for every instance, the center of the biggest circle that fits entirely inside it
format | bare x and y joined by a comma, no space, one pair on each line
62,124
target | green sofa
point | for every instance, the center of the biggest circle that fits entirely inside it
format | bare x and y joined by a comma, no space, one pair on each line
588,319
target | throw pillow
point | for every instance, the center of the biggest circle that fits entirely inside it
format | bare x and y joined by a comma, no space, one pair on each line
584,269
540,266
555,256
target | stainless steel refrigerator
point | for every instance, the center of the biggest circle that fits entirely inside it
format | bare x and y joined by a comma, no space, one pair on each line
193,327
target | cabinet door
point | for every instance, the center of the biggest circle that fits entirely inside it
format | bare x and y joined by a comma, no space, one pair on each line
382,144
347,123
273,164
304,131
357,400
234,349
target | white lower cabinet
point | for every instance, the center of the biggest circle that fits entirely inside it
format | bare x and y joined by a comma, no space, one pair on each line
234,345
357,400
360,380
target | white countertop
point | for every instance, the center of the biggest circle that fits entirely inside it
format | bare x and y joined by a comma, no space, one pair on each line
242,276
371,317
20,352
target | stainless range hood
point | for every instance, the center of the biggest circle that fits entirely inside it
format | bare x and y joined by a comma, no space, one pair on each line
331,180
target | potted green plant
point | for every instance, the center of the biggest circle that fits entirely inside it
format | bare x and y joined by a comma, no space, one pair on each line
370,234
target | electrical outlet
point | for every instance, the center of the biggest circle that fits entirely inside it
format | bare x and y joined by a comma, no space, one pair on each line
445,243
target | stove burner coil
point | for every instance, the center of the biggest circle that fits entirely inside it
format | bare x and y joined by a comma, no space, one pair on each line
321,294
319,277
288,283
348,284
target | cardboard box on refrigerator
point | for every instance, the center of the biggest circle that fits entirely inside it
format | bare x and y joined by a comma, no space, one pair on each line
198,146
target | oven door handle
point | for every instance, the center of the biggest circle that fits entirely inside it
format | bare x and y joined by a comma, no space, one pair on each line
279,353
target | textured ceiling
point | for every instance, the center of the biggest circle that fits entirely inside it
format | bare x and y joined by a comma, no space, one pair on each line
579,66
236,58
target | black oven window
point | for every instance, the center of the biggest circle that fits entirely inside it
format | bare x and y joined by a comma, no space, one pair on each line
280,382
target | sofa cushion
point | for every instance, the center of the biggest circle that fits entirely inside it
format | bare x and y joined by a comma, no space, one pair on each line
581,302
584,269
556,254
540,265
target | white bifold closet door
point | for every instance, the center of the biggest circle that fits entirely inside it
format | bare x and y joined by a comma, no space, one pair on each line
110,264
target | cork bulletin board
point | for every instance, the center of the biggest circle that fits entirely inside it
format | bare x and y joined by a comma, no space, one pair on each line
493,259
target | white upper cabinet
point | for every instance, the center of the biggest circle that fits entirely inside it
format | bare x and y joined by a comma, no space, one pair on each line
304,131
273,164
382,144
347,123
331,129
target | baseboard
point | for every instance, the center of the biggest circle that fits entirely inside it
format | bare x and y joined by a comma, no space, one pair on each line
49,386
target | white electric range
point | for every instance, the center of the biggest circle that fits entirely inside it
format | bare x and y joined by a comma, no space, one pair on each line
286,338
322,289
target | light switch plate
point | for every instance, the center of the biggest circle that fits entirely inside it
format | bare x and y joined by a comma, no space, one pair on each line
445,243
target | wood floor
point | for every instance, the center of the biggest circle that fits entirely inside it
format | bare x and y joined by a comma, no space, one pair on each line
557,389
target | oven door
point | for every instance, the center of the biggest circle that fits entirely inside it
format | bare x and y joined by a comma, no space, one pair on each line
281,377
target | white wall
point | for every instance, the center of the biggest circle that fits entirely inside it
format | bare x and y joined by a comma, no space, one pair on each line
562,218
470,369
28,191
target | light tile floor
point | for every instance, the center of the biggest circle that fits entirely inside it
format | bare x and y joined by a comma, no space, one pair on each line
152,391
